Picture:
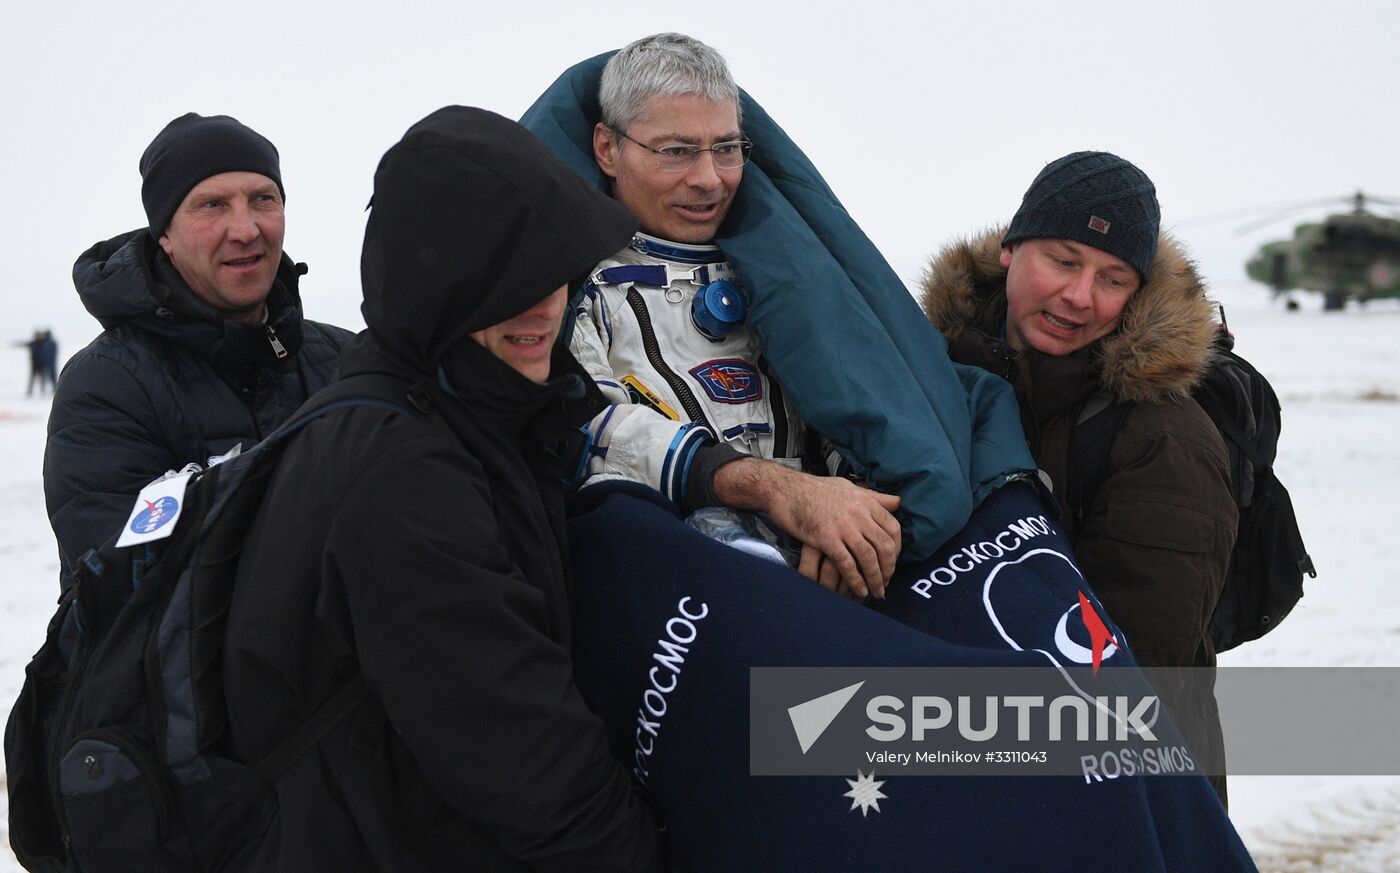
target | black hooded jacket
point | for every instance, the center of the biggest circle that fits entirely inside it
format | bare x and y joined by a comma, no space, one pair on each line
425,550
168,382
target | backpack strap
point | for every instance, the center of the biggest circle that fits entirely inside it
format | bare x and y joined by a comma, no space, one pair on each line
342,394
1231,430
313,730
1096,426
357,390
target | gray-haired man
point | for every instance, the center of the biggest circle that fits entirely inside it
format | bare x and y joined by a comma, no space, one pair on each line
662,328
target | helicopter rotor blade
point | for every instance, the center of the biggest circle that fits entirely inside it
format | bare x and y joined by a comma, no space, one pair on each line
1273,210
1281,214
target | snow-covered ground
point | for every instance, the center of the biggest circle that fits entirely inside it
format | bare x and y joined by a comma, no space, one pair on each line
1338,377
28,556
1338,380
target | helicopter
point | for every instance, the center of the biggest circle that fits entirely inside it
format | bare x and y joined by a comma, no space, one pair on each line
1348,255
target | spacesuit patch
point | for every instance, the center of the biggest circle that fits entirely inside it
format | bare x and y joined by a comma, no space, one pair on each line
729,380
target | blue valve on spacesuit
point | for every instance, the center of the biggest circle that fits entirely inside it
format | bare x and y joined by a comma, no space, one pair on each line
718,308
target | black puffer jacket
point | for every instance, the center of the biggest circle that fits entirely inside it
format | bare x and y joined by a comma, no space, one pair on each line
425,551
167,382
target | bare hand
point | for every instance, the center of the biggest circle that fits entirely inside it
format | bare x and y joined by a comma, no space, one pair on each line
853,527
815,566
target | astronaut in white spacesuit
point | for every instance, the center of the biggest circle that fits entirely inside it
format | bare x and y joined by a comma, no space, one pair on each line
662,327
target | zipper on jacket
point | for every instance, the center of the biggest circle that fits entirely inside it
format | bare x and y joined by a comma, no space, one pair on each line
775,402
653,350
77,666
1008,357
277,347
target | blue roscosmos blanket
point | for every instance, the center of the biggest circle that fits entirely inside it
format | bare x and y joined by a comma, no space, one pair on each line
668,623
862,364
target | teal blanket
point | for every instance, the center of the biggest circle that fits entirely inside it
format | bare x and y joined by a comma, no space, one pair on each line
838,327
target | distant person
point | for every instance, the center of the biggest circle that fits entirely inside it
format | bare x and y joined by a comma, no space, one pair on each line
37,371
1080,303
48,358
424,550
204,348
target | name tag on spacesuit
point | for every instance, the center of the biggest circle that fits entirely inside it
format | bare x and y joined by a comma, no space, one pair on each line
156,511
640,393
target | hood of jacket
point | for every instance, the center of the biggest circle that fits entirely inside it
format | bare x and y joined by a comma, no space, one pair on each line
472,222
1159,351
127,279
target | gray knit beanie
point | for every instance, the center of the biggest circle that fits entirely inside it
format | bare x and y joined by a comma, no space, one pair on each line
192,148
1094,198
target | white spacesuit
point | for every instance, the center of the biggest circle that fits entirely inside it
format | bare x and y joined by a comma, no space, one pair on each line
662,329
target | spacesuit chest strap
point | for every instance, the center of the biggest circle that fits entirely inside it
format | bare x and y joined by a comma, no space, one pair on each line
663,275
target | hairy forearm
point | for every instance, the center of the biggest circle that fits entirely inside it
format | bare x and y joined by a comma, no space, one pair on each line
750,483
852,527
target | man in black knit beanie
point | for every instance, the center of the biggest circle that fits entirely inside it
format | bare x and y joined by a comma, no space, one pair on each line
1101,324
204,349
1093,205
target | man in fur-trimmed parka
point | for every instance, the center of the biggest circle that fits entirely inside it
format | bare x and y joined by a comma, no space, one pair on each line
1080,303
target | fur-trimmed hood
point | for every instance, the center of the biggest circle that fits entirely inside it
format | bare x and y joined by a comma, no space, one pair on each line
1160,349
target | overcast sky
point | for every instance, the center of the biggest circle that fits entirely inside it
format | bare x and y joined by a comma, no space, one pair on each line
927,119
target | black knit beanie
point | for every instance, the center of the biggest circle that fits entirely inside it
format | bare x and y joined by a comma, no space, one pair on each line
1094,198
191,149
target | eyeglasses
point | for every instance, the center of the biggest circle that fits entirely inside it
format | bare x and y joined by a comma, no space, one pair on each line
729,155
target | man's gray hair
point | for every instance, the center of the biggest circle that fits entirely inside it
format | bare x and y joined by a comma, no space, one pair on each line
662,65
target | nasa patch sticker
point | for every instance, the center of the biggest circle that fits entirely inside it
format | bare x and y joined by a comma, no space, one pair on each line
729,380
156,515
156,511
